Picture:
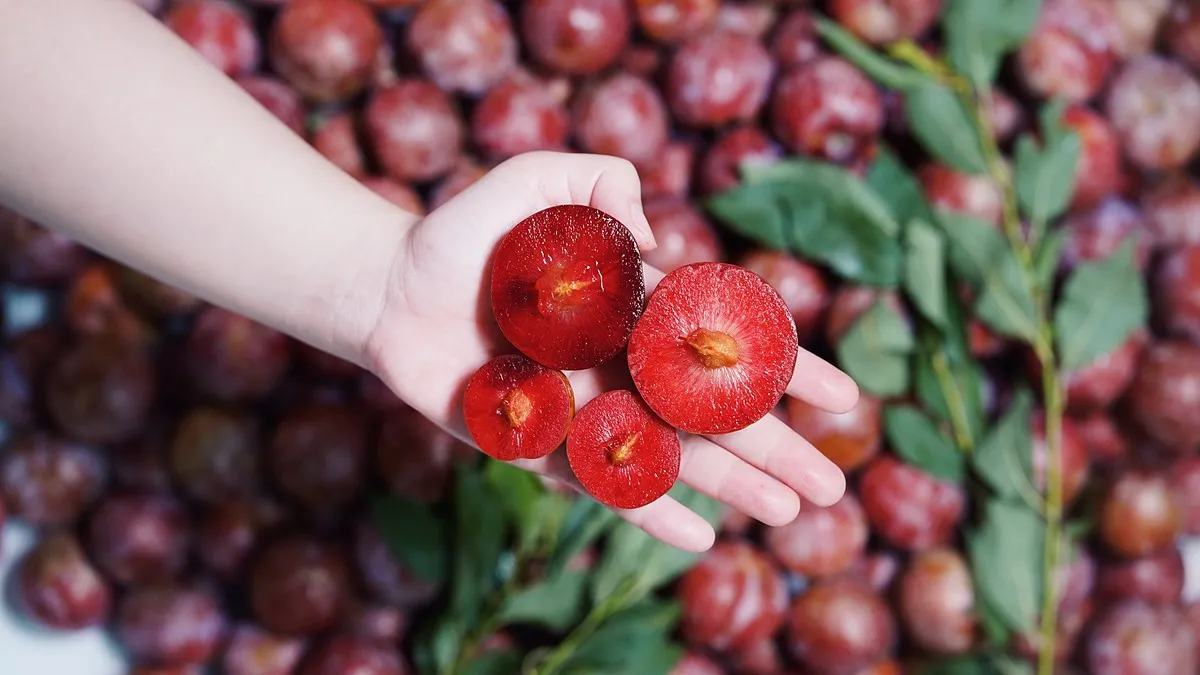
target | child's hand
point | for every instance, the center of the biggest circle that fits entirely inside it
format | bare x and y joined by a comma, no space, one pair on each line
436,330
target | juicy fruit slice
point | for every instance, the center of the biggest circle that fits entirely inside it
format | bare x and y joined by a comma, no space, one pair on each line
567,287
518,409
714,350
621,452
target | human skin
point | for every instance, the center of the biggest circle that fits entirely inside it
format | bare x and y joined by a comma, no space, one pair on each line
115,133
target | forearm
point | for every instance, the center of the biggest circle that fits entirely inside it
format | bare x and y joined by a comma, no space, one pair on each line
115,133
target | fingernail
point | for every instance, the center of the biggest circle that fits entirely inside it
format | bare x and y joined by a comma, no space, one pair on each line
641,226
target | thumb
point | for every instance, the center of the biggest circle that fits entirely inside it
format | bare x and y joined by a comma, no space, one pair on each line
608,183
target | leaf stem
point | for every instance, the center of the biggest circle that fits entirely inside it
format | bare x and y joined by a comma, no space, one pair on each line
1055,404
590,624
954,402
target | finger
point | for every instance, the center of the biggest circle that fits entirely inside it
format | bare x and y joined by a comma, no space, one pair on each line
714,471
771,446
672,523
664,519
822,384
608,183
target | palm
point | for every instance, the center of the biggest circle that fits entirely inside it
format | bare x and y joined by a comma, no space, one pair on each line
438,329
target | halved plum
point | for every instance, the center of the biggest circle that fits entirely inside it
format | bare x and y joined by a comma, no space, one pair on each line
518,409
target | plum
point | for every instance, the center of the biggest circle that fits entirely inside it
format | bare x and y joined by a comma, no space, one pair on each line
463,45
520,114
46,480
214,455
909,508
937,602
576,37
718,78
849,439
326,49
732,598
139,538
827,108
415,130
684,236
233,359
1172,212
839,627
170,625
1071,50
219,31
800,284
882,22
721,167
1136,638
1165,394
672,21
1139,514
821,541
33,255
622,115
101,392
56,586
1154,106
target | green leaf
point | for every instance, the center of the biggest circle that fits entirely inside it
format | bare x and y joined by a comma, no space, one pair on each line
973,245
978,34
942,124
891,74
480,539
1103,303
585,522
925,270
437,645
500,662
1049,251
636,563
897,187
1006,560
414,534
633,641
1006,302
1005,458
555,603
919,442
1045,173
955,665
994,630
518,490
820,211
963,385
875,351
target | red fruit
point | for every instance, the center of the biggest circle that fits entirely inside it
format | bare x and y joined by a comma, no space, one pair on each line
1182,33
909,508
279,98
299,586
1071,51
883,22
415,458
672,21
829,109
795,42
1097,234
1005,115
234,359
1100,383
1156,578
383,575
1172,212
721,168
49,481
821,541
415,130
760,658
714,350
937,602
622,116
170,626
139,538
33,255
1165,395
346,654
225,536
839,627
219,31
1135,638
253,651
575,37
567,287
753,19
1073,457
695,663
732,598
463,45
642,60
24,362
214,455
1138,22
1185,482
1139,515
100,392
1154,106
521,114
398,194
325,48
318,455
1098,174
516,408
92,308
684,236
464,175
876,570
669,175
954,192
1177,293
379,623
56,587
801,286
622,454
336,137
718,78
849,439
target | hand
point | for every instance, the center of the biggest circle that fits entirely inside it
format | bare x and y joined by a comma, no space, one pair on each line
436,329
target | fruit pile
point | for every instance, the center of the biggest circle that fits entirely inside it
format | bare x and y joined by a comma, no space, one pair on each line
712,354
987,212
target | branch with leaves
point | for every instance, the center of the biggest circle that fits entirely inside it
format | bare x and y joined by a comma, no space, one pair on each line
880,231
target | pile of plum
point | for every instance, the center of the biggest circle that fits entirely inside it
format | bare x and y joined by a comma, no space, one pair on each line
198,479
